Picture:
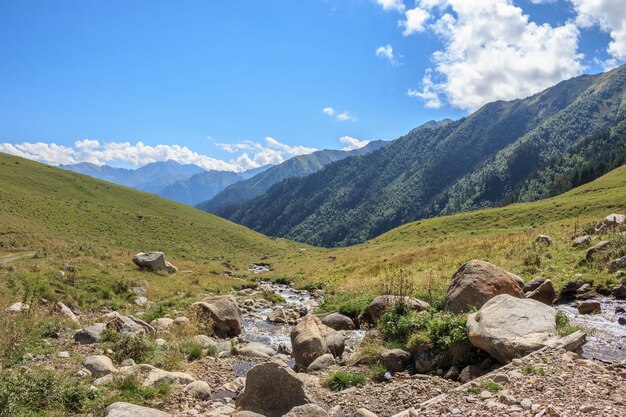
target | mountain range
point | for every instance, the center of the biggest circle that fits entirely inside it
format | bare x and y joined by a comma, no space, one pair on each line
232,197
507,151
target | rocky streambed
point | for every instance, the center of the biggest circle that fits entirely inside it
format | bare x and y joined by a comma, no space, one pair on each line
606,340
257,314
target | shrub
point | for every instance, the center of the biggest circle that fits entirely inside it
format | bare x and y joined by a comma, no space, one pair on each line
411,329
31,392
377,372
340,380
281,281
531,370
139,348
192,350
156,312
273,297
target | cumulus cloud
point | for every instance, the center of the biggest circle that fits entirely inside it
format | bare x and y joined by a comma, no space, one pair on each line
343,116
352,143
389,5
253,155
415,21
386,52
610,17
492,51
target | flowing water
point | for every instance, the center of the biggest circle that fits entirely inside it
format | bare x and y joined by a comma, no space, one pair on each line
256,327
607,342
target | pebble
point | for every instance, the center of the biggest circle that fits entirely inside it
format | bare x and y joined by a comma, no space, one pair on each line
526,404
64,354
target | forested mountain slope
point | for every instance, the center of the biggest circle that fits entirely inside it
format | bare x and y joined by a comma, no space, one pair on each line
505,152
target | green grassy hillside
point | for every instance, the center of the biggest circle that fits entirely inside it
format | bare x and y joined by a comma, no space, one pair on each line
68,218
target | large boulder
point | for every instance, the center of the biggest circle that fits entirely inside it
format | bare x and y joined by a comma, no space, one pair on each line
99,365
338,321
154,261
544,293
311,339
90,334
619,291
395,360
508,327
222,313
476,282
614,220
378,306
121,409
272,390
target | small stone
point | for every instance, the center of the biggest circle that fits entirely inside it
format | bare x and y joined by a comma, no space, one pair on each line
526,404
517,362
455,412
128,362
485,395
363,412
199,389
501,378
507,399
64,354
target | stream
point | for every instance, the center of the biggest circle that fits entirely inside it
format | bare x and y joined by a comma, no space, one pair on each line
256,327
607,341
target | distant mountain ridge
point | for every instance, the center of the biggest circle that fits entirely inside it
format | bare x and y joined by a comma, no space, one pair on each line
520,150
185,183
231,198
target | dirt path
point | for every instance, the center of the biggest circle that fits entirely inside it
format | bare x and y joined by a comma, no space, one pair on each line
15,256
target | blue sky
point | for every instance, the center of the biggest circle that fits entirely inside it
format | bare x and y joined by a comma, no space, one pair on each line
234,85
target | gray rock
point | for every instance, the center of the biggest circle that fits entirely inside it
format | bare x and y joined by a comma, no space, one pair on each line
545,293
616,264
17,308
199,389
162,323
130,325
582,241
378,306
470,372
589,307
205,341
476,282
140,301
121,409
322,362
223,313
533,284
543,239
507,327
452,374
274,399
307,410
90,334
311,339
99,365
64,311
338,321
154,261
395,360
591,252
613,220
250,352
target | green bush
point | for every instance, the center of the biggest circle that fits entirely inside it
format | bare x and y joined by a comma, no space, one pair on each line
30,392
273,297
139,348
410,329
350,305
192,350
340,380
130,389
377,372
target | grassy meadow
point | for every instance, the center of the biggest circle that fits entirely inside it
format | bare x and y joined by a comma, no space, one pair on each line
95,226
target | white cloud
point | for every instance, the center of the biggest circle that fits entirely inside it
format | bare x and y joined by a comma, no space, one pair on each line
386,52
328,111
388,5
610,17
492,51
342,117
415,21
352,143
253,154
